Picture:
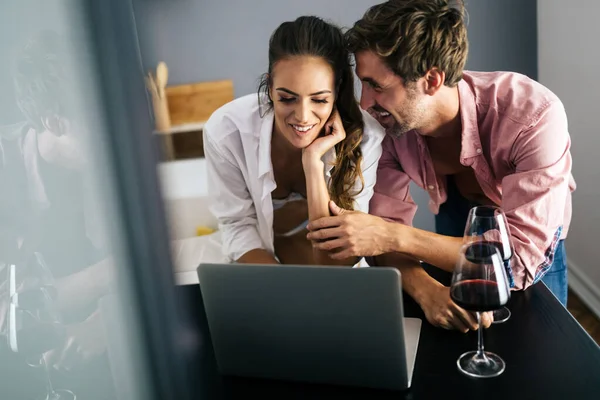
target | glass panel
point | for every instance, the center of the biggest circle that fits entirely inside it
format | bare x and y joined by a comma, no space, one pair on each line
67,293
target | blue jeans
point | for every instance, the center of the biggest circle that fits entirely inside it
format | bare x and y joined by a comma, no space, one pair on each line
451,221
556,278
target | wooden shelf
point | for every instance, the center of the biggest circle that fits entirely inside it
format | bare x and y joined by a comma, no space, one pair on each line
189,106
182,143
190,127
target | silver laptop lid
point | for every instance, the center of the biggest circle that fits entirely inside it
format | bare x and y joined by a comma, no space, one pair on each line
308,323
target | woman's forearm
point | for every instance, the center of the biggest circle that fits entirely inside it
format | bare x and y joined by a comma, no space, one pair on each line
318,198
257,256
316,190
86,286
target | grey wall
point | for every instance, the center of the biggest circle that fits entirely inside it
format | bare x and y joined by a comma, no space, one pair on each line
227,39
503,36
569,62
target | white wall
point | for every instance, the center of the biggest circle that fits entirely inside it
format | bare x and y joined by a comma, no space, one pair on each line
569,63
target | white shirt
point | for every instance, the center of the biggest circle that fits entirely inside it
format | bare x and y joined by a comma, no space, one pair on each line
237,147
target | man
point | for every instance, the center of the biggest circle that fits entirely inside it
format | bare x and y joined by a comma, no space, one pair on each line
467,138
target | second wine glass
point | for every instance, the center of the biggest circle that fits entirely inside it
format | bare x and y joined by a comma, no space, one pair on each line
488,224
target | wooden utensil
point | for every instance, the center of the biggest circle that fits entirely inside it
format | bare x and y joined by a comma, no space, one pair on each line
162,118
162,77
151,84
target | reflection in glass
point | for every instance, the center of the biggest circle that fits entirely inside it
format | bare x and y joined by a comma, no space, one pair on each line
55,221
60,236
34,323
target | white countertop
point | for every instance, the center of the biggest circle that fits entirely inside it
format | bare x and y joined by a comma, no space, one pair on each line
185,192
189,253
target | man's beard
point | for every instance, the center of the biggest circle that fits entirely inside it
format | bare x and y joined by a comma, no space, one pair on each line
398,130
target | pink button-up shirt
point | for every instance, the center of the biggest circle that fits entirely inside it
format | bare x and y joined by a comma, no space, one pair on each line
515,137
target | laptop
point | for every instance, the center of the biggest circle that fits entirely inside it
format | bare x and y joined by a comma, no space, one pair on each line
316,324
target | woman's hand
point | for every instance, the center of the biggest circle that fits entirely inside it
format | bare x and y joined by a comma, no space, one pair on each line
334,133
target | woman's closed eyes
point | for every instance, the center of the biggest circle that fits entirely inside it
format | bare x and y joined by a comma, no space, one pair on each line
292,99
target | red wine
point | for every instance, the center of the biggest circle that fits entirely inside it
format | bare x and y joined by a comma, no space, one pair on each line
505,251
477,295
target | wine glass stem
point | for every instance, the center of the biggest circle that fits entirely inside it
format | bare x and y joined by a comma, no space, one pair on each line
49,387
480,354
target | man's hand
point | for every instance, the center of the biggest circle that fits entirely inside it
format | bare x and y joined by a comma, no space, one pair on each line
350,234
441,311
84,341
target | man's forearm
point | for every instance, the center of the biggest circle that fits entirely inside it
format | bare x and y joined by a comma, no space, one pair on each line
415,280
433,297
86,286
432,248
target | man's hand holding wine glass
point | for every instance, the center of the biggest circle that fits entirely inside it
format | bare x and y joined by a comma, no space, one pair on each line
83,342
441,311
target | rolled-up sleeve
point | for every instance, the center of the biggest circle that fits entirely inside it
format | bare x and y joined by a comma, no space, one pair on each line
534,197
230,201
391,198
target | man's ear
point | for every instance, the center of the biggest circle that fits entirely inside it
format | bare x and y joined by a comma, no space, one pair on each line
434,80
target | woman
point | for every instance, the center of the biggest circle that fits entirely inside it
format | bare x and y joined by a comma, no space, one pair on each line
277,159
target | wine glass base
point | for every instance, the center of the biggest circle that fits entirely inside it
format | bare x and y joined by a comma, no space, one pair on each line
501,315
489,367
59,394
35,363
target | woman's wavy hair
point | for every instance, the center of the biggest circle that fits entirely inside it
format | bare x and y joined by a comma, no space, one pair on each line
312,36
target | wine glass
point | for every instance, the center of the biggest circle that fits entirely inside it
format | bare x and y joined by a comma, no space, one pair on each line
488,224
34,324
479,284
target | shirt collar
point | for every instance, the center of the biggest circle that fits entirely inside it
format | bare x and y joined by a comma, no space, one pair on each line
265,133
471,142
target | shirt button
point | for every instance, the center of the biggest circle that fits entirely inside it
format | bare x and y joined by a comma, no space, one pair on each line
478,151
430,187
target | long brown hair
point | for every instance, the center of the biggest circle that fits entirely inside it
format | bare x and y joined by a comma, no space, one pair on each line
312,36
